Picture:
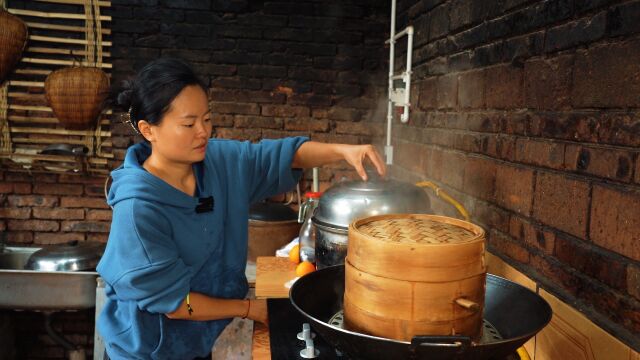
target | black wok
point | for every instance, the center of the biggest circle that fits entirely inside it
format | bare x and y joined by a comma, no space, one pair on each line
515,312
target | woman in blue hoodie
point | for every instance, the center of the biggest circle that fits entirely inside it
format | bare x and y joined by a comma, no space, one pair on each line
174,263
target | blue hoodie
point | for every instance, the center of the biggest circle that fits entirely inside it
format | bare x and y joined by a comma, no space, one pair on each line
160,248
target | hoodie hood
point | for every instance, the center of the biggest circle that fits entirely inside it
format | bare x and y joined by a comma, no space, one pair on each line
131,180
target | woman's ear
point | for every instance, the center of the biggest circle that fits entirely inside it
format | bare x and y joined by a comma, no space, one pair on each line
146,130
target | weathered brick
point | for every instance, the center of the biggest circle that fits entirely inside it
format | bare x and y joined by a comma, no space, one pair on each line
85,226
239,134
83,202
447,91
547,83
638,170
344,114
21,237
246,96
6,188
410,156
309,100
604,76
542,153
58,213
504,87
532,235
310,73
562,202
58,189
223,120
428,89
242,121
260,71
48,238
359,128
97,237
439,24
506,246
336,138
471,89
32,200
480,177
616,128
517,49
236,83
306,124
235,108
591,261
607,163
15,213
104,215
21,188
285,111
514,188
33,225
614,224
623,19
633,280
583,31
453,169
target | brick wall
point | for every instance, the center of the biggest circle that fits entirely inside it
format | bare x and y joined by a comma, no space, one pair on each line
275,69
528,112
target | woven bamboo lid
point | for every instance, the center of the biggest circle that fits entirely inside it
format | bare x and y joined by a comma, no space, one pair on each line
419,230
417,247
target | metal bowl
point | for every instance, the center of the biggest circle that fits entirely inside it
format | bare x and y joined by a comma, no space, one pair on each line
70,257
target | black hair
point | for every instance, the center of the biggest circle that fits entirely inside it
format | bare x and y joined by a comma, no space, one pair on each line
149,94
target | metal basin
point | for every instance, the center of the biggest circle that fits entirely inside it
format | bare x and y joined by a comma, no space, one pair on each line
42,290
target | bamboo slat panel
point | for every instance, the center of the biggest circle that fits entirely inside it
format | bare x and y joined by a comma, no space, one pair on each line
56,40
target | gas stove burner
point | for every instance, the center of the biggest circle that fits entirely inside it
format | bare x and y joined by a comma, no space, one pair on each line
489,332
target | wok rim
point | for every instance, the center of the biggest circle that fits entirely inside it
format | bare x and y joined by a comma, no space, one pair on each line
502,280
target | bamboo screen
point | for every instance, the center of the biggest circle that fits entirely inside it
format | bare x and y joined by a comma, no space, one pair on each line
76,33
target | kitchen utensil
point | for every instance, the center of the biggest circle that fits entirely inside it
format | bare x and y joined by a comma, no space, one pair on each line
512,315
350,200
271,226
73,256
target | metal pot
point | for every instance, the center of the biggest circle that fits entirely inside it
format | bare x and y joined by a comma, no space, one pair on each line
271,226
351,200
73,256
512,315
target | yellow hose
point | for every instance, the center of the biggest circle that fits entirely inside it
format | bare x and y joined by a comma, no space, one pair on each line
524,355
443,195
522,352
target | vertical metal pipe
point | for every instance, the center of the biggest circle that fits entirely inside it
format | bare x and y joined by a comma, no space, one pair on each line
388,150
407,77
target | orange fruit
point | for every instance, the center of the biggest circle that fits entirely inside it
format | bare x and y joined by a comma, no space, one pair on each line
294,254
304,268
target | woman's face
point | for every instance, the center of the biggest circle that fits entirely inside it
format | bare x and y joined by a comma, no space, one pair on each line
185,129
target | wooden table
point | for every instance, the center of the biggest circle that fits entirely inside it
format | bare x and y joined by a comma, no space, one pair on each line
271,275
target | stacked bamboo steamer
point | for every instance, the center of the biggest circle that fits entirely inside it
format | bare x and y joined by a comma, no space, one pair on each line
408,275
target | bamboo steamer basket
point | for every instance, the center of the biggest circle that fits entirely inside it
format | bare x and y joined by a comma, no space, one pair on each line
76,95
411,274
13,39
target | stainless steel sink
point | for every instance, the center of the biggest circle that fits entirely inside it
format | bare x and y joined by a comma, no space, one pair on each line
42,290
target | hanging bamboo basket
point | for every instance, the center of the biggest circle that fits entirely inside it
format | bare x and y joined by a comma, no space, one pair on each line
13,39
76,95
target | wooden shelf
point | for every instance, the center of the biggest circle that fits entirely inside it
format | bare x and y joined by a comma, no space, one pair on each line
27,123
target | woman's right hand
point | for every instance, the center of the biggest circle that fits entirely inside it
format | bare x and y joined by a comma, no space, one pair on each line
258,311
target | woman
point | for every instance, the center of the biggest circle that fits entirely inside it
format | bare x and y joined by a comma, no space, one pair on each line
175,259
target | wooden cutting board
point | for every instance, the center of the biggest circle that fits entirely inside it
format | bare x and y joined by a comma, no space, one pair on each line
271,275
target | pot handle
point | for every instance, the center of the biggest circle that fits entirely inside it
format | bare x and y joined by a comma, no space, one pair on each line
468,304
461,343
